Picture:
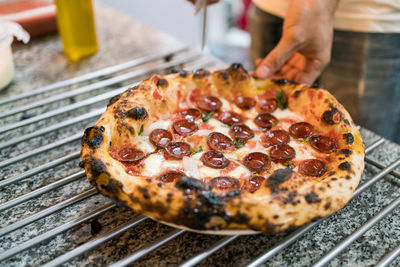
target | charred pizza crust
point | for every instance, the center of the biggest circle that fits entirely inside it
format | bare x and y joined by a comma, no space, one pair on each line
281,202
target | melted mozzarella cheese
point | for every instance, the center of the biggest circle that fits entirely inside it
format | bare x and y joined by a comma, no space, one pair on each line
286,114
161,124
144,144
155,164
219,126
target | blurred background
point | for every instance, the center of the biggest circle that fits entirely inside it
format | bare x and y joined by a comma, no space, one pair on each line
227,36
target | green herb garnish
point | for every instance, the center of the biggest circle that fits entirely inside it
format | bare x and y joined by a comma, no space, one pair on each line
238,143
281,99
198,150
306,140
206,116
141,130
289,164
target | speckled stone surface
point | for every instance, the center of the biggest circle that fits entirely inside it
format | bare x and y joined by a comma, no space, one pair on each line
121,39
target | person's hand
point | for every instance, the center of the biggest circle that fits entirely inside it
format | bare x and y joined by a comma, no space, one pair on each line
305,47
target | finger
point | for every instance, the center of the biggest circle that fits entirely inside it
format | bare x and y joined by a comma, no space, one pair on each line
258,61
312,70
275,59
286,68
292,74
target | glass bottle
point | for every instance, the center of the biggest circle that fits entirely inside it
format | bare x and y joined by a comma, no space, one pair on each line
75,20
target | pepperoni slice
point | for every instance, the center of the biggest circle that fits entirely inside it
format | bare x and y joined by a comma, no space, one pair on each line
130,154
241,132
160,137
171,176
282,153
185,127
230,118
209,103
253,184
256,161
225,183
245,102
301,129
178,150
312,167
220,142
323,143
268,105
265,120
215,159
191,114
275,137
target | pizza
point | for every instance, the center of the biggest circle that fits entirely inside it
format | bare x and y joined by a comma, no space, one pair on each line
224,152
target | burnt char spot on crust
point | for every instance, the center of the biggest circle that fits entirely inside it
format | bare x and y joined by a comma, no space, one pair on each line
190,184
349,138
96,167
93,136
144,192
198,211
297,93
113,186
291,198
113,100
200,73
312,198
344,166
328,115
206,210
317,85
285,81
238,72
277,178
233,193
346,152
270,228
129,127
130,91
183,73
161,82
211,199
223,74
237,67
327,205
238,218
137,113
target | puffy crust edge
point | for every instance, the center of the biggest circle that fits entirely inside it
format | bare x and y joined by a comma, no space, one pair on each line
277,207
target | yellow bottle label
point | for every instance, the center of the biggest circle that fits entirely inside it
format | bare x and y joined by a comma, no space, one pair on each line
76,27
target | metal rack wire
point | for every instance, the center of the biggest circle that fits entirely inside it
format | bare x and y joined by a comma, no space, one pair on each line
66,117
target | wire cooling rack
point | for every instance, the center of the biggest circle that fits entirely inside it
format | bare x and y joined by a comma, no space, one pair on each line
51,216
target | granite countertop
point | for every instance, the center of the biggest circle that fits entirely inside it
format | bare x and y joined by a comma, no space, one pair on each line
121,38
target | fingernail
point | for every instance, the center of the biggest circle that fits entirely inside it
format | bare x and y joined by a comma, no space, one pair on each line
263,72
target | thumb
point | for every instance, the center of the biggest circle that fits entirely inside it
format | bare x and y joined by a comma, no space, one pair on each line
274,61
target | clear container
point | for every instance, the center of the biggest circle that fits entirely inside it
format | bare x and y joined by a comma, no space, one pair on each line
7,32
75,22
